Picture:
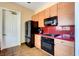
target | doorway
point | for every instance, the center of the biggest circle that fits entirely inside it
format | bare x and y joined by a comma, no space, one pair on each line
10,28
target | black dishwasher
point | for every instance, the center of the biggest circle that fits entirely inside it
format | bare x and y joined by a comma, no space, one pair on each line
47,44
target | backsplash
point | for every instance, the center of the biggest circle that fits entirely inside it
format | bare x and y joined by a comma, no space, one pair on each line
54,30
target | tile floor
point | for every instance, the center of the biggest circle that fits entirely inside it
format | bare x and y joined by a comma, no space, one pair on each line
22,50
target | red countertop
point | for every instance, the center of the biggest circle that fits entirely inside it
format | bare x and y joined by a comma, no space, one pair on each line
68,39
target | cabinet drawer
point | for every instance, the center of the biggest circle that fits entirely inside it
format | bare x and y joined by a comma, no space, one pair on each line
58,41
64,42
68,43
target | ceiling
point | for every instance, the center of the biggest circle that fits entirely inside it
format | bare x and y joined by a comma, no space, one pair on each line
34,5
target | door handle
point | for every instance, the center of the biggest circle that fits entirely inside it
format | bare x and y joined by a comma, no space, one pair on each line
4,34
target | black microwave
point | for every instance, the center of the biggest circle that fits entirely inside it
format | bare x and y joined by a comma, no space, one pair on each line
52,21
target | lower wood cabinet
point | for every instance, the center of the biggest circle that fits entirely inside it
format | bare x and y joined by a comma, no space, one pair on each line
38,41
61,49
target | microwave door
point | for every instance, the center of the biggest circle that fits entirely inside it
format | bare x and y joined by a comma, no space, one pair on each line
53,22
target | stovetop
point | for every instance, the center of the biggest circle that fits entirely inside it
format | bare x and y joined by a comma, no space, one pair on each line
53,35
60,36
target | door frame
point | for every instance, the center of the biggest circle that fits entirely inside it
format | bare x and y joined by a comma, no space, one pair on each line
19,26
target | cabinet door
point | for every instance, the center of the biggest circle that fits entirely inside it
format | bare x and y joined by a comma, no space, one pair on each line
66,13
47,13
53,10
41,19
68,50
63,49
38,41
35,17
58,50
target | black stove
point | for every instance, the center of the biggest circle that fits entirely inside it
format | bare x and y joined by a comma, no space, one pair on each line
53,35
47,44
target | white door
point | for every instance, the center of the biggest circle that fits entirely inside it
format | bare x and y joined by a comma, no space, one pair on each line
10,29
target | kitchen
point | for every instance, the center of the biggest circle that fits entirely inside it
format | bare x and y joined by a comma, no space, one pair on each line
51,30
56,33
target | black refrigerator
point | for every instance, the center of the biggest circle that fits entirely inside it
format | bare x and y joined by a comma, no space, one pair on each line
31,28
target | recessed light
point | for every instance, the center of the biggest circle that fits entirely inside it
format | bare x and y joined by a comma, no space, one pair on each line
29,2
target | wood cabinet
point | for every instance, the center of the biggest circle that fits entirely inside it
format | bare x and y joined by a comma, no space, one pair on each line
64,10
63,48
47,13
53,10
35,17
38,41
41,18
66,13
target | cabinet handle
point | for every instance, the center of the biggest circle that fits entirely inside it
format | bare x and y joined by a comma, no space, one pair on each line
62,42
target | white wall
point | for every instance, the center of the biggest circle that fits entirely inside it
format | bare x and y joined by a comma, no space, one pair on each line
45,7
77,29
25,15
0,26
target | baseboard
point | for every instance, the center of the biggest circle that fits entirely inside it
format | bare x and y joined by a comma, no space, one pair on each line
22,43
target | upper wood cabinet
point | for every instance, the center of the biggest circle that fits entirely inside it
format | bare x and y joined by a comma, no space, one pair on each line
35,17
47,13
53,10
41,18
66,13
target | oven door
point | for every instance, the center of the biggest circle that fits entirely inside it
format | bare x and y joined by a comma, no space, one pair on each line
47,44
